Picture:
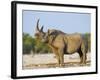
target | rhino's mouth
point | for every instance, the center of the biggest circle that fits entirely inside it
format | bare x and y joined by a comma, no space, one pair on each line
44,41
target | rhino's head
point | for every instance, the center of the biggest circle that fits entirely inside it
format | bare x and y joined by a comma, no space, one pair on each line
49,36
40,34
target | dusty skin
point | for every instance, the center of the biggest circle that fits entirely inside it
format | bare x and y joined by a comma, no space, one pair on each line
35,61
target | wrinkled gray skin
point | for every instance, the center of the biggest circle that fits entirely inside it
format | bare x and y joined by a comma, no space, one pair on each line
62,43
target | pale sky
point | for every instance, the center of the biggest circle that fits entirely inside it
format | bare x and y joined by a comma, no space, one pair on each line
64,21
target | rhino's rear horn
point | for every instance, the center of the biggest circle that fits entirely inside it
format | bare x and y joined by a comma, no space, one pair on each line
42,29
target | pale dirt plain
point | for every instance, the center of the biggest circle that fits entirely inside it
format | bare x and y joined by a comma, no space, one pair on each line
35,61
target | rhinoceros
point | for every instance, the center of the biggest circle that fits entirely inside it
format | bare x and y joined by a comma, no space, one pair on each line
62,43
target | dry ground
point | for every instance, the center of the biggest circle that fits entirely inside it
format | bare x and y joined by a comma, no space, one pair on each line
48,60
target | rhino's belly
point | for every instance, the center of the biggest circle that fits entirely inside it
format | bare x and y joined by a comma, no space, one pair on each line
70,52
72,49
73,45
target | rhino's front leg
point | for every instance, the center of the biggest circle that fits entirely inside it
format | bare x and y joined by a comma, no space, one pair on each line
61,57
57,55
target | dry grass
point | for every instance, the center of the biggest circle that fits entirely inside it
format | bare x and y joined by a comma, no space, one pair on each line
49,61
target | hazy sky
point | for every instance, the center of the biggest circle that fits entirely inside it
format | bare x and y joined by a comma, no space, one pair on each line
66,22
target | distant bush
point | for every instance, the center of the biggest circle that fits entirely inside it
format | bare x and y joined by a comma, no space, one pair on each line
28,43
32,44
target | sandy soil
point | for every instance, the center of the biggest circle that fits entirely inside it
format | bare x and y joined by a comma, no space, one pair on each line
49,60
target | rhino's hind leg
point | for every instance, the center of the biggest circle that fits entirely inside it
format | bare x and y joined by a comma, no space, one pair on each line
84,58
81,58
83,50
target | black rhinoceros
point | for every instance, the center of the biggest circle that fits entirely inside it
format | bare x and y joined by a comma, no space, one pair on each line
62,43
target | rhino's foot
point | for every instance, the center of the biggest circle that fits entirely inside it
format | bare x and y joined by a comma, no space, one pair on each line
61,65
82,63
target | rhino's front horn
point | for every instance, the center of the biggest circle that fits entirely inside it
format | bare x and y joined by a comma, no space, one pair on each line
37,26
